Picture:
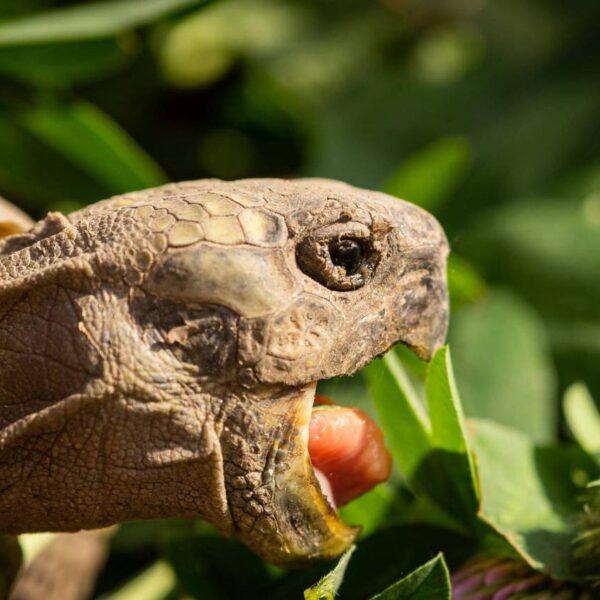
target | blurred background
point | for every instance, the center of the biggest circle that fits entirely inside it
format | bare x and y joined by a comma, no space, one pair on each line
484,112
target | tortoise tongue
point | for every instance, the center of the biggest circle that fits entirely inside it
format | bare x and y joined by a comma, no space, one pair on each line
346,447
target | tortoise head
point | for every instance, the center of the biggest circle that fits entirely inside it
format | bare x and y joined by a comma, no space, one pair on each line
185,330
321,277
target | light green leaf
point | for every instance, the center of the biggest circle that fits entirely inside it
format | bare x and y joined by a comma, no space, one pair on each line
400,412
152,584
327,587
429,582
87,21
503,364
443,402
583,418
529,494
89,139
448,474
430,176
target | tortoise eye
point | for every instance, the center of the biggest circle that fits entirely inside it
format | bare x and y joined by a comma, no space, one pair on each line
347,254
341,256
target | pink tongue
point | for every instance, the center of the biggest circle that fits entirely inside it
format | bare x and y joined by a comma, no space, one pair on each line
346,446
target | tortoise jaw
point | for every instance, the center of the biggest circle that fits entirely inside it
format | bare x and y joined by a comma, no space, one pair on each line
307,527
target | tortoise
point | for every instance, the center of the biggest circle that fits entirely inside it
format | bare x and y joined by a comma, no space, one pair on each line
160,352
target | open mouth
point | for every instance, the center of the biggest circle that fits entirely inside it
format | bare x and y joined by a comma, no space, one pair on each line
339,455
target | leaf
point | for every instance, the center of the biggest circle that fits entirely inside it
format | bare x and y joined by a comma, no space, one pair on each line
87,21
529,494
152,584
96,144
327,587
431,581
464,283
55,64
430,176
203,564
550,254
70,152
400,413
503,364
448,473
28,168
380,507
583,418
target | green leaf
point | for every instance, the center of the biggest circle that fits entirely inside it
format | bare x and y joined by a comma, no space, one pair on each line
28,168
70,152
429,582
430,176
87,21
550,254
464,283
448,473
155,583
212,567
400,412
55,64
529,493
583,418
327,587
503,364
93,142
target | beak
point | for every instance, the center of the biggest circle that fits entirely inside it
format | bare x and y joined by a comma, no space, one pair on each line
425,340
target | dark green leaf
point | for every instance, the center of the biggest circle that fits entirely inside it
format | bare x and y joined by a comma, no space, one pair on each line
94,143
214,567
54,64
429,582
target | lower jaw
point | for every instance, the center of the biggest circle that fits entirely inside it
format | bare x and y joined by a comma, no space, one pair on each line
305,496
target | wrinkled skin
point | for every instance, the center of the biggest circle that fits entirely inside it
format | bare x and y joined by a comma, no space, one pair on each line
160,350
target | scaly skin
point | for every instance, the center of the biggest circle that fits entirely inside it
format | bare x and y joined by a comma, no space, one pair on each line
159,352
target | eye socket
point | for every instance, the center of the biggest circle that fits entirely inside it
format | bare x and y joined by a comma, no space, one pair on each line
342,257
346,253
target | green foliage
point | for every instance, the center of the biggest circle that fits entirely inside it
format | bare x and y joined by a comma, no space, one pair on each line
503,363
431,581
430,176
529,495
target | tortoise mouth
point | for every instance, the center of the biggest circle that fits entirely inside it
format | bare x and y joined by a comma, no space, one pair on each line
329,462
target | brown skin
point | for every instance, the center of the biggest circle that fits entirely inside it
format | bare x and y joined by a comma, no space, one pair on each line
160,349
